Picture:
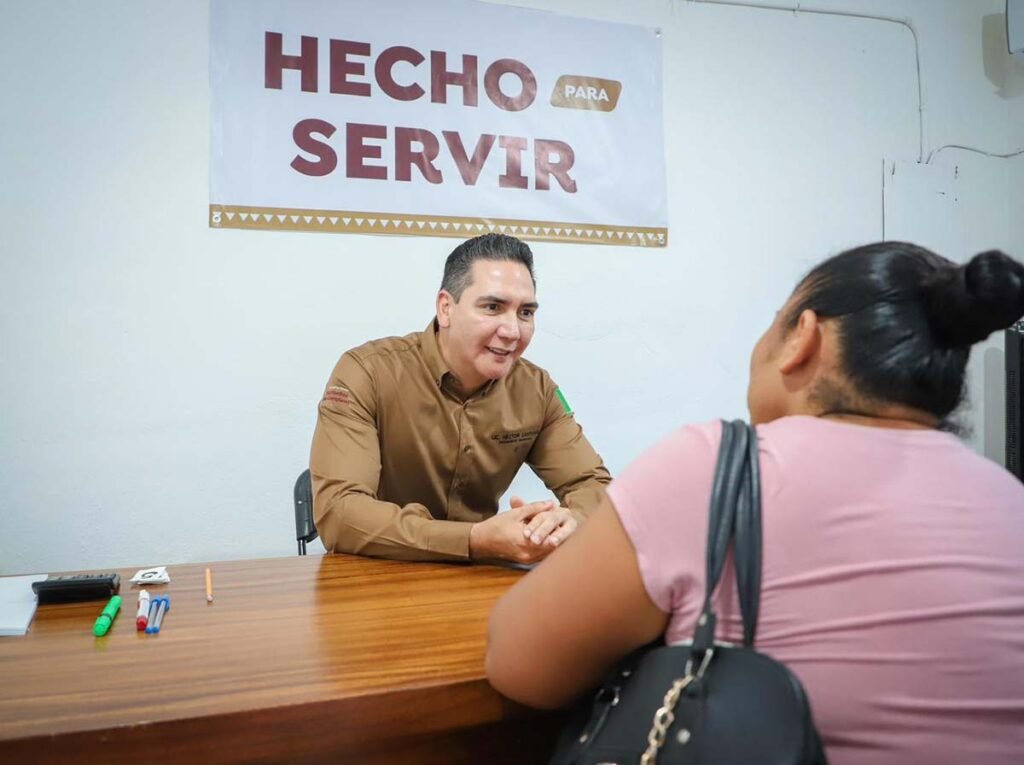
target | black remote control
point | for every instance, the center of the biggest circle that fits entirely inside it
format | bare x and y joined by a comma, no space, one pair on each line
69,589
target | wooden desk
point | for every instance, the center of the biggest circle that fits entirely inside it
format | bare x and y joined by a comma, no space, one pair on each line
332,658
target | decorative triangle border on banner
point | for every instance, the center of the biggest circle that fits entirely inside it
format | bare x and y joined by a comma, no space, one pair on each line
403,224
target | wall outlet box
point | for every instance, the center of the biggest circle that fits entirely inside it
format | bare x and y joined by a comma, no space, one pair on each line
1015,27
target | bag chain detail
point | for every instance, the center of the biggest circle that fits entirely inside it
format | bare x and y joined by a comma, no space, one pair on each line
665,715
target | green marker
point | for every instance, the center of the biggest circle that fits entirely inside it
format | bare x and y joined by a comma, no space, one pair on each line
107,617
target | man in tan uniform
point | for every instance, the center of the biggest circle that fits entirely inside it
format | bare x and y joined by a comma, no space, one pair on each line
419,436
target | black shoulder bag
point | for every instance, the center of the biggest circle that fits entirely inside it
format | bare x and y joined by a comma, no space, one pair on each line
706,702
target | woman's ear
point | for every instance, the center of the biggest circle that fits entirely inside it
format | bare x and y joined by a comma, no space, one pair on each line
802,345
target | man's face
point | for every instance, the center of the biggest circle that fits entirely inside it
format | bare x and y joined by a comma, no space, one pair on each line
491,324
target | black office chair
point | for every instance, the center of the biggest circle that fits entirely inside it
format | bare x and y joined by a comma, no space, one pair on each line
305,528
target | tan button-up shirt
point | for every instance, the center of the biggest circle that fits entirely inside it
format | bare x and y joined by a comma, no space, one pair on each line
402,466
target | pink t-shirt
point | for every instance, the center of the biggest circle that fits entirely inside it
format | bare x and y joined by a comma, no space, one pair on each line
892,583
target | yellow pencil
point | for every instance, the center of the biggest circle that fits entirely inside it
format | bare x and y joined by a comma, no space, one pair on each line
209,586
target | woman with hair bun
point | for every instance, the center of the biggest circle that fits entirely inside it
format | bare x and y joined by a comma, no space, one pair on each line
893,555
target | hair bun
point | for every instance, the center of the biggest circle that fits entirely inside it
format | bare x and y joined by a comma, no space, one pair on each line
968,303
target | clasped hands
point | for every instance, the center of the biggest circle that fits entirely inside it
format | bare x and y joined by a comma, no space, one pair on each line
527,533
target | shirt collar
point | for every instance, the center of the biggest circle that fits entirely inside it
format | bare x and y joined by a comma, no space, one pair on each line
432,353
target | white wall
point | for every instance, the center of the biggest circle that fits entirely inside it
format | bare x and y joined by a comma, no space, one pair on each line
159,379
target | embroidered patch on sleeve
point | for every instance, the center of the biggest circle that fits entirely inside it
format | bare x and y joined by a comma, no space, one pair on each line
335,394
561,397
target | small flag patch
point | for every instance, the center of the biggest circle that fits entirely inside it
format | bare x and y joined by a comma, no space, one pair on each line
561,397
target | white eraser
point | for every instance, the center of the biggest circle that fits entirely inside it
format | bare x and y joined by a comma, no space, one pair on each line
156,575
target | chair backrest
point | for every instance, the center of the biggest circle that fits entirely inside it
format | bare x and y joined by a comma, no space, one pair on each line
305,528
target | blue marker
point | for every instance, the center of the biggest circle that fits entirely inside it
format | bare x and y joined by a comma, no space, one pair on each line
154,605
165,605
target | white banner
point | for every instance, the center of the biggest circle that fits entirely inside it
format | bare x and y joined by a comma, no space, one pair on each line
445,118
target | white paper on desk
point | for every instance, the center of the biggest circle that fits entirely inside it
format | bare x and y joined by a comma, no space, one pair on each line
17,603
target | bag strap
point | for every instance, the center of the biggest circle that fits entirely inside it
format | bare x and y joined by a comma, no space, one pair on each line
747,540
735,509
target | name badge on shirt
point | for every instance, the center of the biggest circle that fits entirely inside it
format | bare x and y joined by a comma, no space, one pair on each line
515,436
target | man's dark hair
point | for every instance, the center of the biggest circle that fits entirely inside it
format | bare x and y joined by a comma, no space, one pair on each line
458,266
907,319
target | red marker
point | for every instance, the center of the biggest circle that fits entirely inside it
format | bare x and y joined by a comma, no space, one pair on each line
143,616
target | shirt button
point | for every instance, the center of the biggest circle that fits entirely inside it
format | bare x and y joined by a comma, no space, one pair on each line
467,449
